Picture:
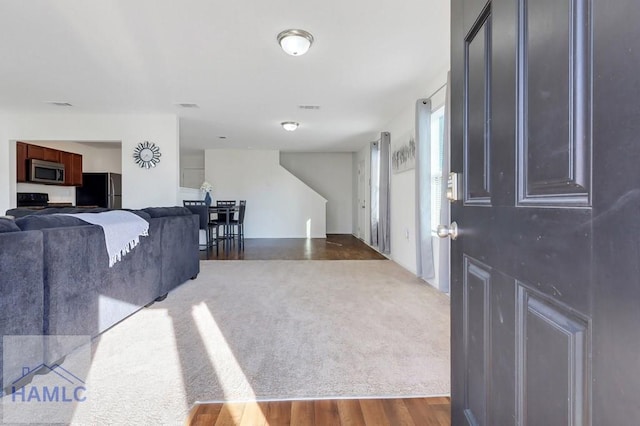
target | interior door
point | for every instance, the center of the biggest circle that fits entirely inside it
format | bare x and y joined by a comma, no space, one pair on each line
545,292
361,199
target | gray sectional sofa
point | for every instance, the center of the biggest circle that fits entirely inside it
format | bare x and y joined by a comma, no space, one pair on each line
55,278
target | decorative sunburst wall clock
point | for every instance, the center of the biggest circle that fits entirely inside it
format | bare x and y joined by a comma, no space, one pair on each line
146,155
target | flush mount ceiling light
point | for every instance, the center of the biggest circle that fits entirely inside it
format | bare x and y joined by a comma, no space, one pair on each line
289,126
295,42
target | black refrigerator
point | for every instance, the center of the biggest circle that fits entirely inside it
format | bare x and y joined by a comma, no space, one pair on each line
100,189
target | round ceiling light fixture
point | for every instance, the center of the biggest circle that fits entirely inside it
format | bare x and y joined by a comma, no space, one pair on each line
289,126
295,42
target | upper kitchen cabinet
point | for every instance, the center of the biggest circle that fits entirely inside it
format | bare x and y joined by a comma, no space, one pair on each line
72,168
35,152
21,164
72,162
52,155
76,170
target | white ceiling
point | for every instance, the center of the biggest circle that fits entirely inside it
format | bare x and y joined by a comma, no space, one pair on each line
370,60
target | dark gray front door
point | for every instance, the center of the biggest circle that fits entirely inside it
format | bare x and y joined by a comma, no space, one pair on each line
545,291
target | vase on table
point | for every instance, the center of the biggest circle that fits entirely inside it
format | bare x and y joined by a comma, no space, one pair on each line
207,199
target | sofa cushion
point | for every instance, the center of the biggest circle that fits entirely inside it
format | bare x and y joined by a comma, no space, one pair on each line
69,210
144,215
35,222
167,211
8,225
20,212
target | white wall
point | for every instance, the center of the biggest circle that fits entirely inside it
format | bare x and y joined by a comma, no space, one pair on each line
330,175
279,205
403,186
140,187
403,196
191,170
96,157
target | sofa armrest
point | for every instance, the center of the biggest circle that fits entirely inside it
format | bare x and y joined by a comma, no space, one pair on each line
21,297
180,250
83,295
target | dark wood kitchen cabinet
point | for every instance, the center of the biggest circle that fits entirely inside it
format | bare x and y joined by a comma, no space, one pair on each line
76,170
52,155
72,168
72,162
21,161
35,152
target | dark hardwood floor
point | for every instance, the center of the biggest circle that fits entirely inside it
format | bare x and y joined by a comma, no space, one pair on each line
335,412
334,247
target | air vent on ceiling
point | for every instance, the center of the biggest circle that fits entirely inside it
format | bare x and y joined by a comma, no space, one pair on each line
309,106
60,104
187,105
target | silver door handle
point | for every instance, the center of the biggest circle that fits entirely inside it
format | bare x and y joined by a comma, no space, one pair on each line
445,231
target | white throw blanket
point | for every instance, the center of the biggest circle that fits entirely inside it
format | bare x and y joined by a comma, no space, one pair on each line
122,230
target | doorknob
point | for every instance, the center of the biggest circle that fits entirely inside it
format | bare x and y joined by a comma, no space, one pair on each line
445,231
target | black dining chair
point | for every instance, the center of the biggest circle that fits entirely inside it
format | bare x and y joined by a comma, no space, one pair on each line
200,208
238,224
224,219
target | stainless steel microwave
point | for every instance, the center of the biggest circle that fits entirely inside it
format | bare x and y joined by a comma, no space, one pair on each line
46,172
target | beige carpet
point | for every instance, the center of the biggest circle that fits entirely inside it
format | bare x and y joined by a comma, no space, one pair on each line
268,330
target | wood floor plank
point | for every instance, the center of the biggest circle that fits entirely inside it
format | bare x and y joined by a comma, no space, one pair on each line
397,412
336,412
442,414
205,420
373,412
302,413
326,412
230,415
350,413
436,400
421,411
254,414
193,414
279,413
334,247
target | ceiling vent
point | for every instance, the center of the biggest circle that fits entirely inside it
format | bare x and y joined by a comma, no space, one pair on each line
309,106
187,105
60,104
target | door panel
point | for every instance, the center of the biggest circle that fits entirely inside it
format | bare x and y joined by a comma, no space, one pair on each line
477,112
361,200
476,338
552,345
554,149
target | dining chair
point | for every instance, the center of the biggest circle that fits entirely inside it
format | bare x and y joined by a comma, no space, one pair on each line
223,219
239,224
200,208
